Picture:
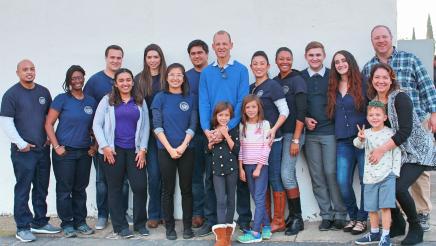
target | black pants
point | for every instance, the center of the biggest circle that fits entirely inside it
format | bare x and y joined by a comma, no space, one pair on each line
125,164
225,189
410,172
72,177
168,168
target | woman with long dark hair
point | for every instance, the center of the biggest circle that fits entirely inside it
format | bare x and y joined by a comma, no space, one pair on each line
72,150
121,127
150,81
346,102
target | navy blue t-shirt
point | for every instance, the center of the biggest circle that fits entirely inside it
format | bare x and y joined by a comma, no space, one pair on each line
194,79
176,111
29,108
75,119
292,85
98,86
269,92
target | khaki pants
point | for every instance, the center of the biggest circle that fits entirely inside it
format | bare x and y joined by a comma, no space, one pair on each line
420,192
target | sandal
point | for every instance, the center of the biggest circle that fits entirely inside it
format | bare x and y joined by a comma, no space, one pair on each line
349,226
360,227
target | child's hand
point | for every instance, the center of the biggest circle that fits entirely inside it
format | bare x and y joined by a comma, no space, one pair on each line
242,174
361,133
209,145
223,130
256,173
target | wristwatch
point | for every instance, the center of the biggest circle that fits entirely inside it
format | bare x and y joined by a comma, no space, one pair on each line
296,141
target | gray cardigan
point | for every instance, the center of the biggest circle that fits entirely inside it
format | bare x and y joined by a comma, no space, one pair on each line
104,126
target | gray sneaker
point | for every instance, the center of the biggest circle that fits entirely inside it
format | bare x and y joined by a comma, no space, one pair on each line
25,236
129,219
101,223
424,221
69,232
85,229
47,229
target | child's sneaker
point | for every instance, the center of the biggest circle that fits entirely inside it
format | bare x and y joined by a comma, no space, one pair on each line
385,241
249,237
266,233
369,238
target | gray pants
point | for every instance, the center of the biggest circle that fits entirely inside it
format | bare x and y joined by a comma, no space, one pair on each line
225,188
320,152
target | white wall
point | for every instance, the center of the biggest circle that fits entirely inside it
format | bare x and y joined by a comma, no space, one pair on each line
58,33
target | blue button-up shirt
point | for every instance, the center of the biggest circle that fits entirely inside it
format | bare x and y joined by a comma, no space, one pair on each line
347,117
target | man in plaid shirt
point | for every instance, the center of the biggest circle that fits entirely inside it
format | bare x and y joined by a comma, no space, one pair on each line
416,82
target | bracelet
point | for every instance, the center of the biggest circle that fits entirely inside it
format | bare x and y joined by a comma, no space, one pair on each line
57,146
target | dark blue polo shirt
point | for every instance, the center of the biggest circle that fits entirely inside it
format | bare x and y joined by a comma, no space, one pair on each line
194,79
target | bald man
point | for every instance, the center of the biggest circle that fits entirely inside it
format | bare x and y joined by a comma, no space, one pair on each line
22,116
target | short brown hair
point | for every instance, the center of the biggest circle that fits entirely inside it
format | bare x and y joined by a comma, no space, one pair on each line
314,45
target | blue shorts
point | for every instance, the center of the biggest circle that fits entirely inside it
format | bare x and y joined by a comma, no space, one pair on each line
380,195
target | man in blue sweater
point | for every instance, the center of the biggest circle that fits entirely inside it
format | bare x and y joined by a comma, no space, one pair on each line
223,80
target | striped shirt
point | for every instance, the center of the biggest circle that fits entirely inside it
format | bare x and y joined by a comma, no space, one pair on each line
412,78
254,145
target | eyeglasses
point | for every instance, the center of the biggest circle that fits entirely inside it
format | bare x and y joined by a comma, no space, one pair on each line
223,73
175,75
77,78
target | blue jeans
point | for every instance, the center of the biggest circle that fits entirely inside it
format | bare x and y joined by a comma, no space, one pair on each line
154,181
347,156
198,194
274,167
258,188
31,169
72,177
101,188
289,174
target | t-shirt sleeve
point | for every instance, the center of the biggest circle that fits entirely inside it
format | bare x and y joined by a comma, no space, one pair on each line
58,103
8,105
276,91
299,85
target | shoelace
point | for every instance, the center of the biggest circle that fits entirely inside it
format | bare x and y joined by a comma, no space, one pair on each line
382,241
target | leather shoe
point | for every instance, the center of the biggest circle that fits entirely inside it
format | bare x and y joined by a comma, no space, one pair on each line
197,221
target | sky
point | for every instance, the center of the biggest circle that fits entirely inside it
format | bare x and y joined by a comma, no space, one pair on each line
414,13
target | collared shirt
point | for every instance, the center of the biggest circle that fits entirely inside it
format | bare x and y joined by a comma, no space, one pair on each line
413,79
320,72
230,62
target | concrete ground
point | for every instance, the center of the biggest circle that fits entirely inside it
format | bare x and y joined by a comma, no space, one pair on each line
309,236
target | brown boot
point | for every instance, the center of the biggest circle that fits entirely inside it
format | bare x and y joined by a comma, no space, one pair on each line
278,222
230,229
268,203
220,234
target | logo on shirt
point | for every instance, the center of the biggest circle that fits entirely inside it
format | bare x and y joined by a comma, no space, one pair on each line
41,100
88,109
285,89
184,106
259,93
